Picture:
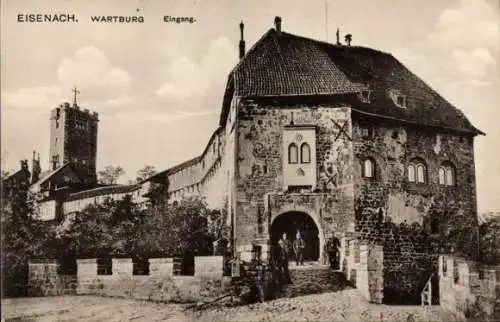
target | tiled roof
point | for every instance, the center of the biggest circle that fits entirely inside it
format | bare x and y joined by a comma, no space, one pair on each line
283,64
106,190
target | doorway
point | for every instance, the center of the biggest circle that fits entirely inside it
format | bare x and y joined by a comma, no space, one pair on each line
290,223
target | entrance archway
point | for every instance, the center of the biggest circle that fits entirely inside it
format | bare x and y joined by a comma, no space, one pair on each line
292,221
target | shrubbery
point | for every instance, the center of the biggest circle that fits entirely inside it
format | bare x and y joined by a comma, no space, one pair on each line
490,241
114,228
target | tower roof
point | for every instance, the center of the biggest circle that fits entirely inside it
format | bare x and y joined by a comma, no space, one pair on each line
281,64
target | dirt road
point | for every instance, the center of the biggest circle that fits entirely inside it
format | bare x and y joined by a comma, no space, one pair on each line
345,305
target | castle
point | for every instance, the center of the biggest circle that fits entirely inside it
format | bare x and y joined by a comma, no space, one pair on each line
317,137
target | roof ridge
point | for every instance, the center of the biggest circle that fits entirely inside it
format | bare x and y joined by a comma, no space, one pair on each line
322,42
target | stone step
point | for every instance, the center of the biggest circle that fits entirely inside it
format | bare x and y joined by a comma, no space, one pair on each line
314,280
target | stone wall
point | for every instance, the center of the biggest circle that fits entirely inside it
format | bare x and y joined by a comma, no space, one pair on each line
204,176
260,166
413,221
43,280
160,285
469,288
363,265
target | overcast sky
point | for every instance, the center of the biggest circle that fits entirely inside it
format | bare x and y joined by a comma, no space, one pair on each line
158,86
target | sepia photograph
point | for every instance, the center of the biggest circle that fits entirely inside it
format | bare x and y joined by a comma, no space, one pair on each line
236,160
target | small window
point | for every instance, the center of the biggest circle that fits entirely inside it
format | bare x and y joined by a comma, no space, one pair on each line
365,96
442,175
369,168
401,101
366,131
305,153
447,174
411,173
420,173
293,154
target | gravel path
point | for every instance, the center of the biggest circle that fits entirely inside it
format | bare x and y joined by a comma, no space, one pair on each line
345,305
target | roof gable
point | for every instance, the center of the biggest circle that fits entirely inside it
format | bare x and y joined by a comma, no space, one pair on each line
63,175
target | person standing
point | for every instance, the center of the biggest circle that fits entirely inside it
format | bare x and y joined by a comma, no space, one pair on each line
298,248
284,250
333,251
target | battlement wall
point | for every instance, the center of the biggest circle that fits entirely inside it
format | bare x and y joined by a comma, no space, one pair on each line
468,287
363,266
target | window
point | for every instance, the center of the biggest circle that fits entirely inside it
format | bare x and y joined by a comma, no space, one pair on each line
446,174
365,96
366,131
369,168
442,175
293,154
81,124
401,101
420,173
435,226
417,171
305,153
411,173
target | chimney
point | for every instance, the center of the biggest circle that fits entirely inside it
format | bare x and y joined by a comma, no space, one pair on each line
35,168
348,39
242,41
338,40
24,164
277,24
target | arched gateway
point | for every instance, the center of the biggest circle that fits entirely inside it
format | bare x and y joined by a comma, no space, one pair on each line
291,221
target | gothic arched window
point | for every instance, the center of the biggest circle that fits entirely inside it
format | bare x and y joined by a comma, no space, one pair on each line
305,153
417,171
293,154
369,168
447,174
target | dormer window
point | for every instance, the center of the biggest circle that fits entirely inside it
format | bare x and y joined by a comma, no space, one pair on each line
401,101
365,95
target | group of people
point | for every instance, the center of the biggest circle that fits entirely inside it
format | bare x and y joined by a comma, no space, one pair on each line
285,247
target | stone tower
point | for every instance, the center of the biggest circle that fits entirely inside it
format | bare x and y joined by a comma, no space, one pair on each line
73,138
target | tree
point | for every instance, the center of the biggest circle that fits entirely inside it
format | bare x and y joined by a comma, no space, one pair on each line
22,238
490,240
146,172
110,174
5,174
176,230
102,230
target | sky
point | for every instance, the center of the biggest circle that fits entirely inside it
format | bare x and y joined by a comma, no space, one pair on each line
158,86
